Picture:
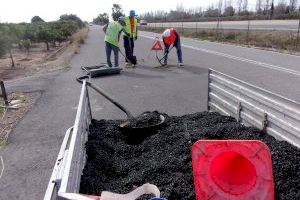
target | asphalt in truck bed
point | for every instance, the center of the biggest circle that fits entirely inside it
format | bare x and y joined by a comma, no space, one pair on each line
164,158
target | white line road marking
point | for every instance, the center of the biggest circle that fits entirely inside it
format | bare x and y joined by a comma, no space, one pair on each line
265,65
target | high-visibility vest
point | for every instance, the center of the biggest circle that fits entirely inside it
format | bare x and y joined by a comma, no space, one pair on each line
128,27
171,39
112,33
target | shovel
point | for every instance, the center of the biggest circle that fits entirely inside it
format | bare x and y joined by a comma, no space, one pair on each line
131,120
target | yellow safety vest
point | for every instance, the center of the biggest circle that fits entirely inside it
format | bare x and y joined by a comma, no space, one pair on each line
128,27
112,33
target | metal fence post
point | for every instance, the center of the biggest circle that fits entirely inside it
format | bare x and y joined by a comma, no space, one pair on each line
182,27
298,35
196,27
248,31
4,95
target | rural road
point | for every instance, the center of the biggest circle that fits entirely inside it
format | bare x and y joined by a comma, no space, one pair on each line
34,144
286,25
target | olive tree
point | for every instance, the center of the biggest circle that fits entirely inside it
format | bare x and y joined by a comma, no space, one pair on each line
9,34
37,19
116,12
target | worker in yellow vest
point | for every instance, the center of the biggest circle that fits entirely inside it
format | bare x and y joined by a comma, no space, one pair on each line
131,29
112,32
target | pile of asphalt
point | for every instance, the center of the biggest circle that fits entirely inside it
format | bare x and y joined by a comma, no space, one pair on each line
145,119
164,158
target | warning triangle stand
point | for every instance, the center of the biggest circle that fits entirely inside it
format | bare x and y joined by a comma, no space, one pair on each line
157,46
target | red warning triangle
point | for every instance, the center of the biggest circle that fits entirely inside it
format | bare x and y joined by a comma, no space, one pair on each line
156,46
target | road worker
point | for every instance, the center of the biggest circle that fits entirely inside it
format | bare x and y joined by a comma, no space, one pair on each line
112,32
171,37
131,29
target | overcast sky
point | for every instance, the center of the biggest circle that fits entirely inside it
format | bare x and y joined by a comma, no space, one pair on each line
24,10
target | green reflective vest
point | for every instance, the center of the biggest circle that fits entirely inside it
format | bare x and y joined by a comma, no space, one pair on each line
128,27
112,33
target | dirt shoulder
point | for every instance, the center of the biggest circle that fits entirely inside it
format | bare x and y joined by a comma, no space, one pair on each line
39,60
20,103
36,62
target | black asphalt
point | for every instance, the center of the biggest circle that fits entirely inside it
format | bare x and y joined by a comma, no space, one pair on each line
33,145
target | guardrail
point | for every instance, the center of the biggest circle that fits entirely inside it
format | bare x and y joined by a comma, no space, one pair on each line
71,159
254,106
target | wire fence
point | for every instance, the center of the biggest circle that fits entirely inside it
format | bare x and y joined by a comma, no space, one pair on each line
279,34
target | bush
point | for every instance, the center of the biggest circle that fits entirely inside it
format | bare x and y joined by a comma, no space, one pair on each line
81,40
230,36
72,17
37,19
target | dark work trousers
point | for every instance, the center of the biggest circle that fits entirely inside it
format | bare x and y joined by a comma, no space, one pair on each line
128,46
178,47
109,47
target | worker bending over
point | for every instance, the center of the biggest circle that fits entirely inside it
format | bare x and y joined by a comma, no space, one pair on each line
131,29
170,36
112,32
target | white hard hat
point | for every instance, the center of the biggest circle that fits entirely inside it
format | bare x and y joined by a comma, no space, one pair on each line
121,19
167,33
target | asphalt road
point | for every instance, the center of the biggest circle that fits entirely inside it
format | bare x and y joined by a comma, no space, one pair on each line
287,25
33,145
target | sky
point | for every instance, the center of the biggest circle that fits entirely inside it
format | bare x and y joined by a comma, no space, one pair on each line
23,10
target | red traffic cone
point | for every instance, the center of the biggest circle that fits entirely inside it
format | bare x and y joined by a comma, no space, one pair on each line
157,46
232,169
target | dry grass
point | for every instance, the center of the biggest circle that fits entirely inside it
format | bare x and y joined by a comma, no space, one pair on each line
283,41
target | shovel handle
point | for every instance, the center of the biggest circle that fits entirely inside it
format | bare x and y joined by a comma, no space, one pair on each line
104,94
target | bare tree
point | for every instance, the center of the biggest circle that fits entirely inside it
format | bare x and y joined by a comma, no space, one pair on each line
280,8
258,6
239,5
292,5
245,5
267,6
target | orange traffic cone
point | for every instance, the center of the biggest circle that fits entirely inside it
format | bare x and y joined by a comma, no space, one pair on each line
232,169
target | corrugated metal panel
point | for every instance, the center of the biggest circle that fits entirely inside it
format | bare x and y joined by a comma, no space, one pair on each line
254,106
77,157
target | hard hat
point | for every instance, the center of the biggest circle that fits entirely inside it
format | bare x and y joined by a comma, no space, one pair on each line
132,13
167,33
121,19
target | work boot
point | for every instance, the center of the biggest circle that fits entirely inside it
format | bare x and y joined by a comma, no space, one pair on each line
180,64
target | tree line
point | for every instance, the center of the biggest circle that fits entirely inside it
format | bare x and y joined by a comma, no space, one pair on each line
229,10
22,35
103,18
